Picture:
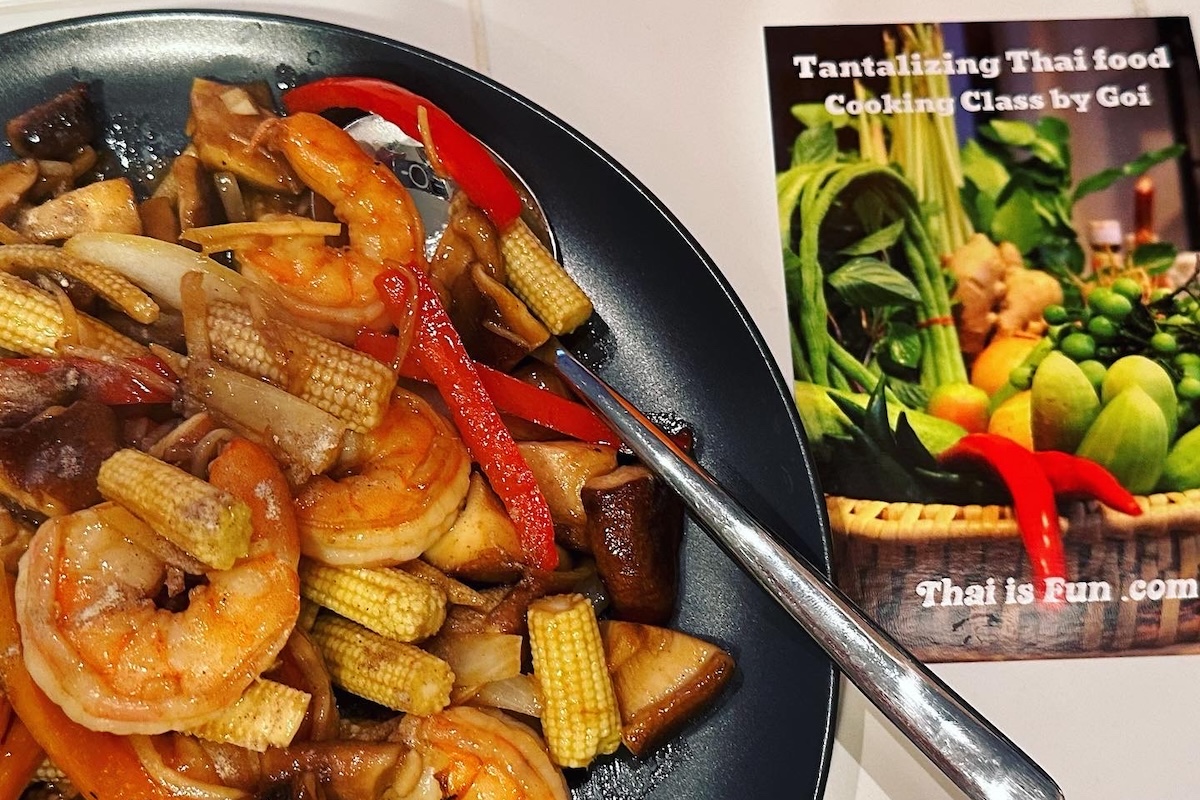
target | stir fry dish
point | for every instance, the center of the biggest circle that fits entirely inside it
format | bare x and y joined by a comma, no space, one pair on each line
289,506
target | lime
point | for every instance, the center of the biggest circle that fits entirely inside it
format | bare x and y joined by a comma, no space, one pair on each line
1128,288
1188,388
1164,342
1055,314
1095,371
1185,358
1160,294
1102,329
1078,346
1112,305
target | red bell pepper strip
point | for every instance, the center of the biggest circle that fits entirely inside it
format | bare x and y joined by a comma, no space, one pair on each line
106,382
100,765
541,406
1032,494
463,156
511,395
439,352
1082,477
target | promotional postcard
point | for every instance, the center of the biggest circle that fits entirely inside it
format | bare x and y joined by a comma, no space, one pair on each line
989,239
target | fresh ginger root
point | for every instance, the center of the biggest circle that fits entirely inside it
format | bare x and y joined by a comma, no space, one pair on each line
995,293
978,271
1028,293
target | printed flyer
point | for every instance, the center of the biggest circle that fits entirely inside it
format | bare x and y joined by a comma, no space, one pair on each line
989,234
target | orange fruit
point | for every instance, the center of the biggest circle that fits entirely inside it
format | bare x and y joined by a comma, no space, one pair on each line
961,403
1012,419
1004,354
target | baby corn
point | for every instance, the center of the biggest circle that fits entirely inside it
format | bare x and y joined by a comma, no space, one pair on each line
267,715
107,283
385,600
206,522
32,324
580,715
534,276
400,676
348,384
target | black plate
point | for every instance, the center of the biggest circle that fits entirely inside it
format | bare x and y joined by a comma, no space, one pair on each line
674,339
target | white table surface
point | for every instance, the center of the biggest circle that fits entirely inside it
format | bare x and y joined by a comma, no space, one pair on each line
676,91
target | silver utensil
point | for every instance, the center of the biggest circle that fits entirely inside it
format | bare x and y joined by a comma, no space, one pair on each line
977,757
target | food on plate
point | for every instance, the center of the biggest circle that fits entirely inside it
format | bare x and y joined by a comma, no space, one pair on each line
289,505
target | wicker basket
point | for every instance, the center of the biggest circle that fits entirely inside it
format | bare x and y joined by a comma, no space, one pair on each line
1150,564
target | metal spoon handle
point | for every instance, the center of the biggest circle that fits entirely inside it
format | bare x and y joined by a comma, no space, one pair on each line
978,758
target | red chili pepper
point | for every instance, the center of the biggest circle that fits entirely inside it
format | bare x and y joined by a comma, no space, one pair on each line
511,395
439,352
106,382
463,156
1082,477
1032,494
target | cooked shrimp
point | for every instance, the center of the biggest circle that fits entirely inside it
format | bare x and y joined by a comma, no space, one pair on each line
332,288
99,645
407,483
482,753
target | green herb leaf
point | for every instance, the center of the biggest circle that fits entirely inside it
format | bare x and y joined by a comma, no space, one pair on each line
1054,129
903,345
909,394
1061,255
870,208
813,115
1154,257
877,241
1147,160
1048,152
1014,133
816,145
870,283
983,169
1098,182
1017,220
1107,177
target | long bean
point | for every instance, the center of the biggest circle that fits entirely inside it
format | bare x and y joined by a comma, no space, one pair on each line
815,200
954,370
816,350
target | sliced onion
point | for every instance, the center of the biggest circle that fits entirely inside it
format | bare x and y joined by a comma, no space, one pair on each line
156,266
520,693
322,714
230,192
194,306
175,782
479,658
298,432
